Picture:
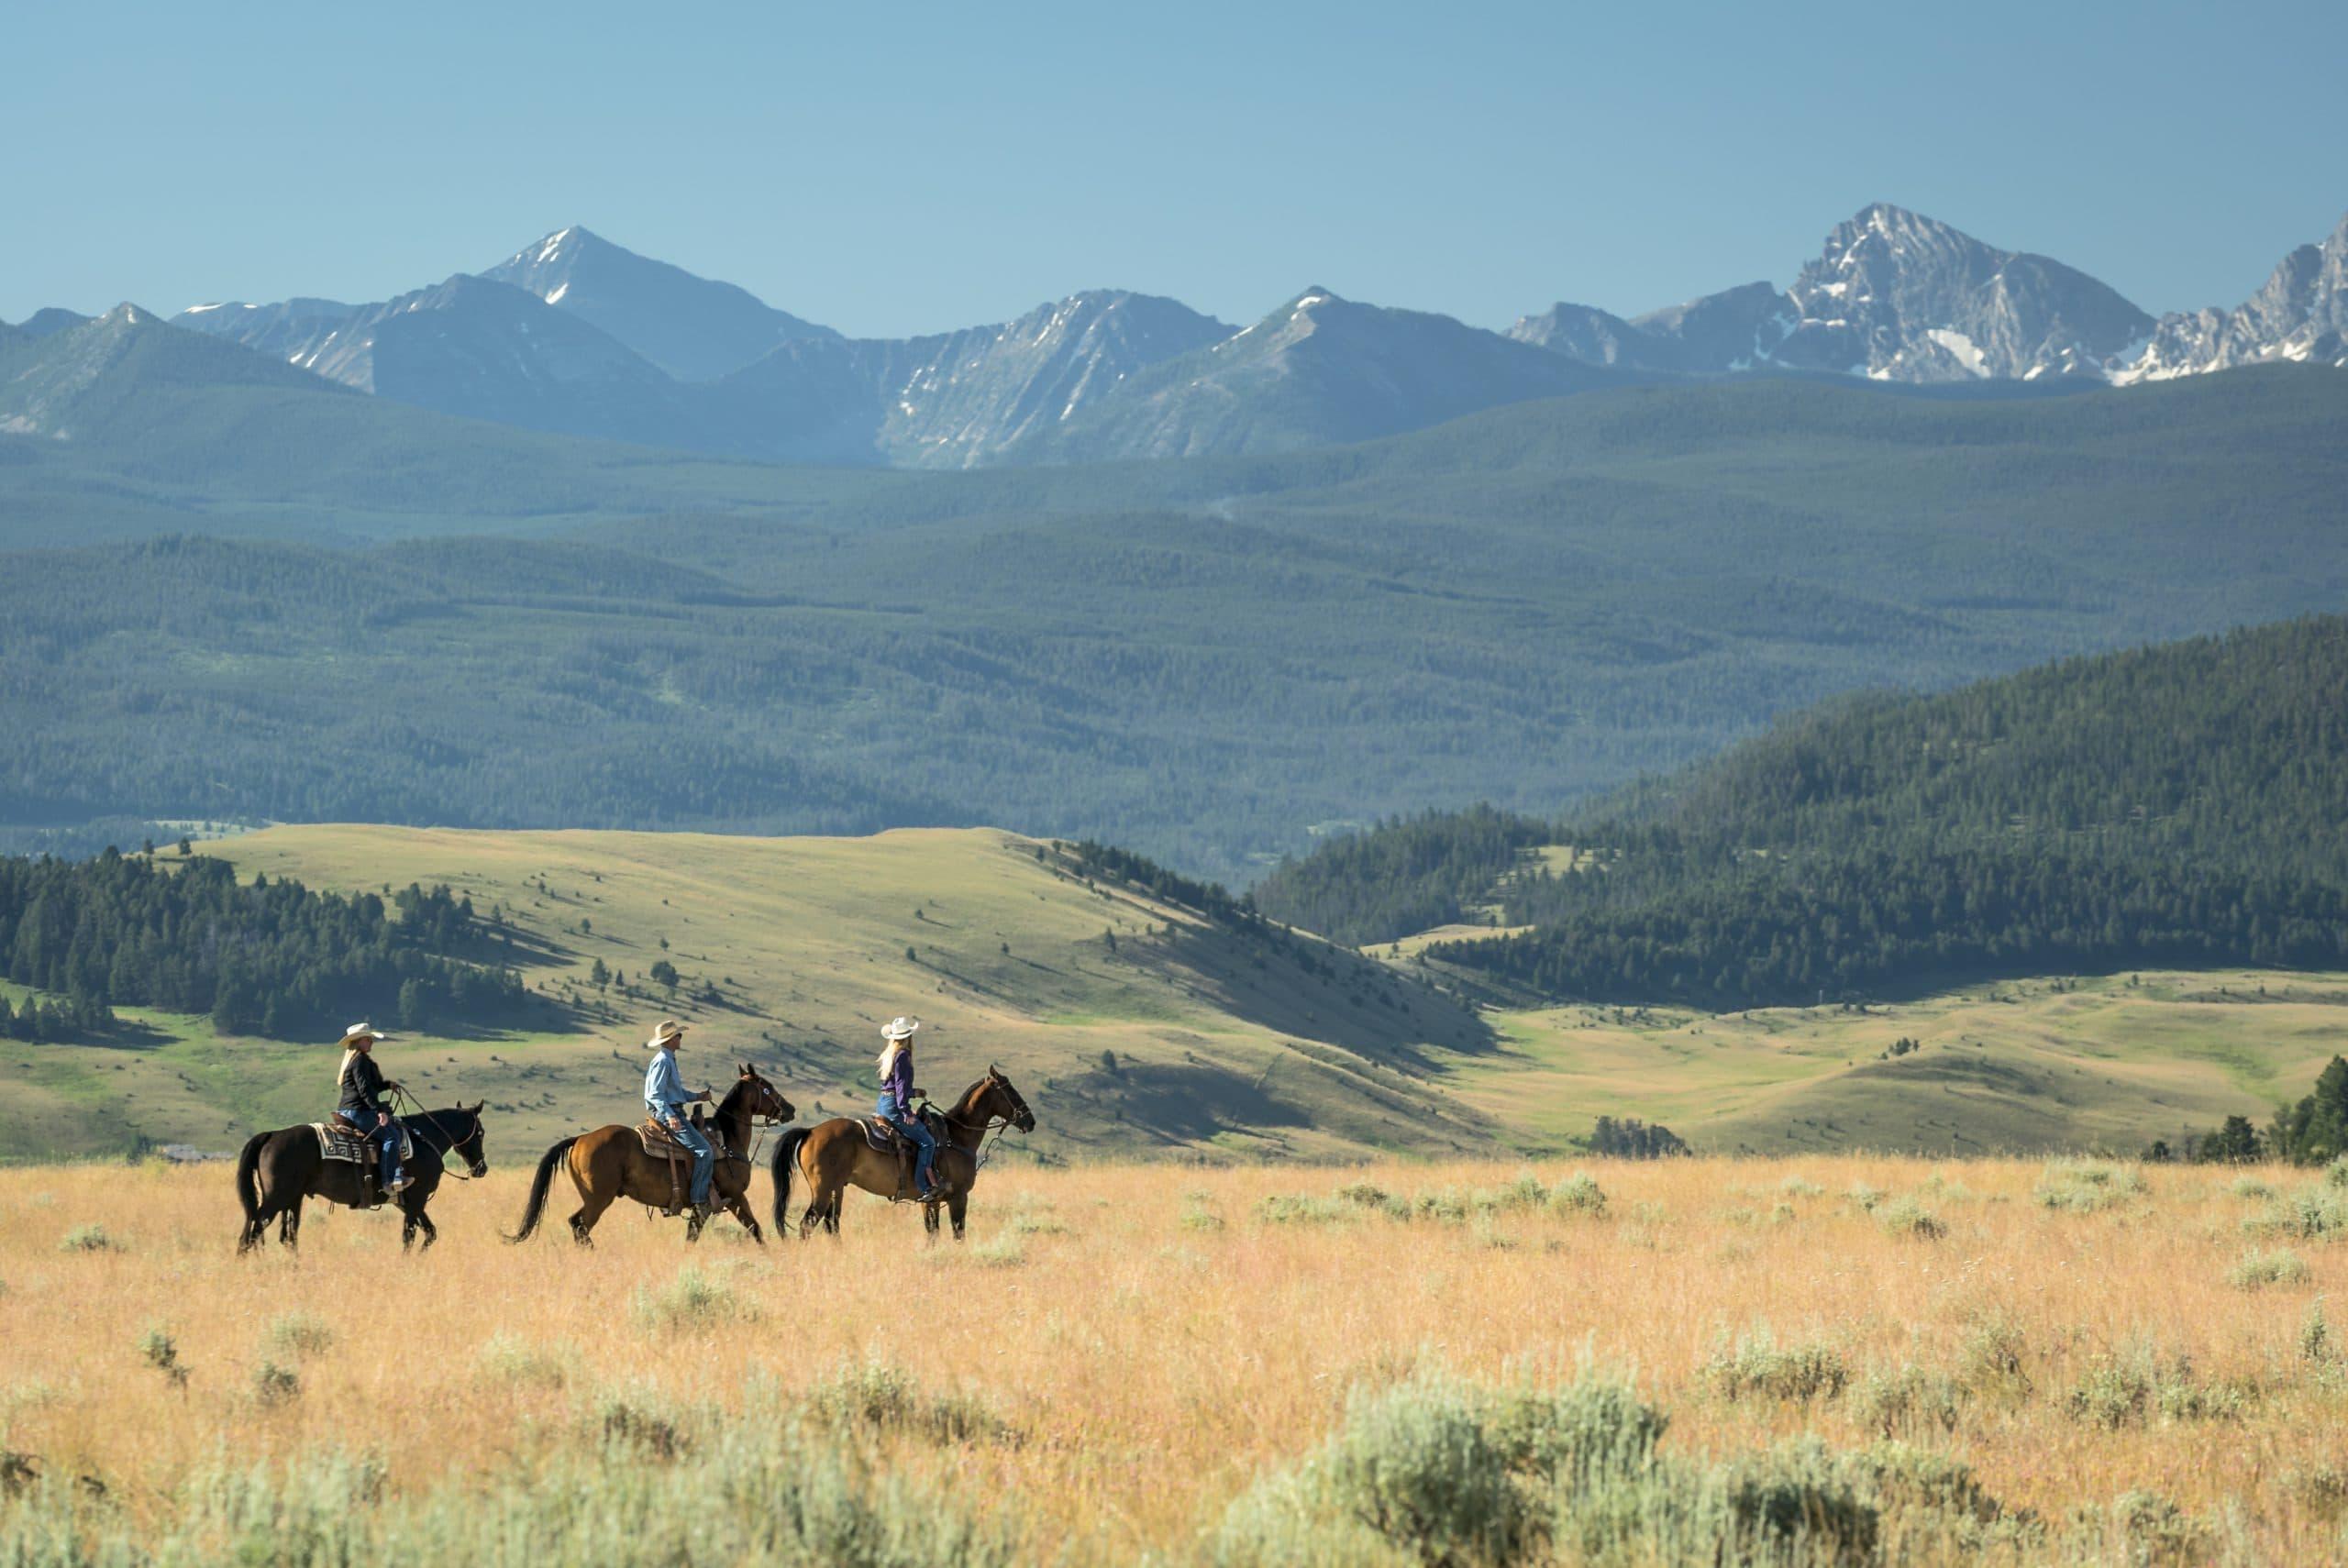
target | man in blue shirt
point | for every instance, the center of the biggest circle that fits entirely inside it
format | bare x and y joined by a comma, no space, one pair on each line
664,1092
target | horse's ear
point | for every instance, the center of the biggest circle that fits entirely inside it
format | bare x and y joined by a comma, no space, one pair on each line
993,1071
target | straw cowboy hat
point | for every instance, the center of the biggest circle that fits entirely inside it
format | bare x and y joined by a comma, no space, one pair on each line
900,1028
669,1032
358,1032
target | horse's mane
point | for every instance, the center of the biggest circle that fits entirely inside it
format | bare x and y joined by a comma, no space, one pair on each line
456,1124
735,1096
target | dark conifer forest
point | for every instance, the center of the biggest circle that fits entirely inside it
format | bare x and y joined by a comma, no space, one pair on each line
2175,806
259,958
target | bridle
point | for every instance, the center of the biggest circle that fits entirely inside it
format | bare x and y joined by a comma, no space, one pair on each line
431,1119
991,1126
760,1121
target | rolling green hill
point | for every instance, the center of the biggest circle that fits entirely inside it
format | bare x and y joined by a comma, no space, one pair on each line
2181,805
1140,1023
1140,1026
1206,661
2072,1063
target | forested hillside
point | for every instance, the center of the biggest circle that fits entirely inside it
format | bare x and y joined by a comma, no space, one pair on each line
1177,658
2183,806
260,957
1406,875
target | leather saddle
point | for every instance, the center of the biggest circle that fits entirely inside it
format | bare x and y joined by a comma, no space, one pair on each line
658,1143
661,1145
885,1139
341,1139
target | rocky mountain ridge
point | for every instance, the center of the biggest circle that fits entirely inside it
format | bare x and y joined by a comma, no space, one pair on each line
575,334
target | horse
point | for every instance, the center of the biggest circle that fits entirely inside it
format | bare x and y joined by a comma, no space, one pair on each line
834,1155
277,1170
610,1164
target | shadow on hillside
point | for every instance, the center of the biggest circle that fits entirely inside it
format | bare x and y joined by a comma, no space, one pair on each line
518,946
1191,1101
1297,985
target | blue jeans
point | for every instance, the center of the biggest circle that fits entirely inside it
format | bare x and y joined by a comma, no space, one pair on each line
386,1140
705,1157
918,1134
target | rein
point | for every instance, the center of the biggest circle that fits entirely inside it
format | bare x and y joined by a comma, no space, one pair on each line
758,1125
990,1126
429,1118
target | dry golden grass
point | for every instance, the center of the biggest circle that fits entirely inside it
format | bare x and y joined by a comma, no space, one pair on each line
1154,1342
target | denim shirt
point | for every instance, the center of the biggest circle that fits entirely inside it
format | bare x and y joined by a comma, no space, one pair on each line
664,1087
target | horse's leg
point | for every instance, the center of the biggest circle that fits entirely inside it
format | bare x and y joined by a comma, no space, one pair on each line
256,1230
583,1163
956,1207
289,1224
818,1195
929,1220
412,1206
738,1204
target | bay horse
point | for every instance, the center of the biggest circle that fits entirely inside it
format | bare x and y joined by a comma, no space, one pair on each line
277,1170
834,1155
610,1164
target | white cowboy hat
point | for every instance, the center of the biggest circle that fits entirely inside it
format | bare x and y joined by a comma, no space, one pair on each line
900,1028
358,1032
669,1030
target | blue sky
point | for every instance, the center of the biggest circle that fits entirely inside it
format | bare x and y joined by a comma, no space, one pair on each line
900,168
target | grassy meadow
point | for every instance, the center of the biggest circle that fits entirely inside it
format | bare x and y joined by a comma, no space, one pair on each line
2108,1062
1827,1359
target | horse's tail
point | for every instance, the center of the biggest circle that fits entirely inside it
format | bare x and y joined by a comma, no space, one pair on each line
786,1155
536,1207
249,1180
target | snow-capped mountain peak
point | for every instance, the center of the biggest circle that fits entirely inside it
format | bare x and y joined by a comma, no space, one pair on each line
2300,316
695,328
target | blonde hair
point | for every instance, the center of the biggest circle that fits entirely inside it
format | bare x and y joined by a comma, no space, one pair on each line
342,1074
888,1058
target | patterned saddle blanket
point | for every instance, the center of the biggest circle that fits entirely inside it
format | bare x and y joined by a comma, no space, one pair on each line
336,1143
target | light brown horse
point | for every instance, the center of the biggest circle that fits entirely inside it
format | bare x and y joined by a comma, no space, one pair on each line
610,1164
834,1155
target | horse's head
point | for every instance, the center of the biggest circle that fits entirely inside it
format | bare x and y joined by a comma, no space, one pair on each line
1001,1099
759,1097
469,1147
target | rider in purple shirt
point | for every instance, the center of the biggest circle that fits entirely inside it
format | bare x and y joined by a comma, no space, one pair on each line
897,1096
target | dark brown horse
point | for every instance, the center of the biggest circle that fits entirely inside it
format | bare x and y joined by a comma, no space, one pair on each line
834,1155
278,1170
610,1164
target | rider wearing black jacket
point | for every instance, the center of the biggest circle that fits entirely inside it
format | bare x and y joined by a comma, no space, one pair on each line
362,1087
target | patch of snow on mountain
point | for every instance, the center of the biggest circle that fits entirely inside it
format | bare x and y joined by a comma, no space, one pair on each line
1958,343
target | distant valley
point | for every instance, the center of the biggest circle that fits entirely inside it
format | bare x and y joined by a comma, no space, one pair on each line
1210,660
